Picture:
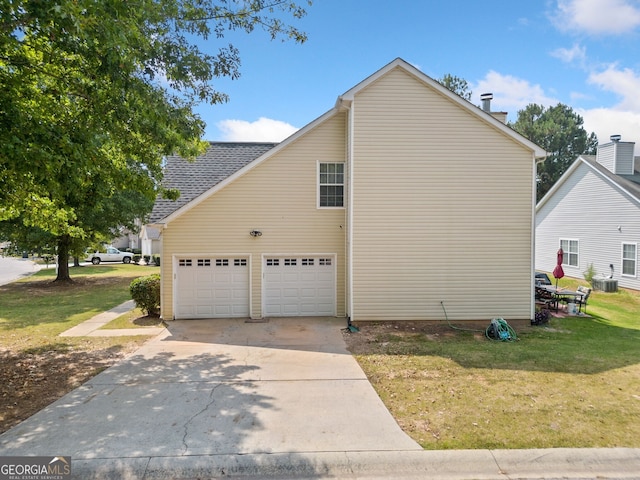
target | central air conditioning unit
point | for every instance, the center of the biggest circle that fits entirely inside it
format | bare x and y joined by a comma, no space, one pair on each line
604,284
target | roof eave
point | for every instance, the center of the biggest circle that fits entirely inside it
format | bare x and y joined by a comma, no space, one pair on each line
250,166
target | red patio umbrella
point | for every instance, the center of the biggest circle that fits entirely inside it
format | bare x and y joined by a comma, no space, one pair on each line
558,272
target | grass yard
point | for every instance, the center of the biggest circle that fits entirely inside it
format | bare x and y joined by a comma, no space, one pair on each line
37,366
572,383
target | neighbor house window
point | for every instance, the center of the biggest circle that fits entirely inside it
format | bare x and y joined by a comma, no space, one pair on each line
331,184
629,256
570,249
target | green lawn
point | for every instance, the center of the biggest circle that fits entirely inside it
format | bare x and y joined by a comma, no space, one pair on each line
35,309
573,383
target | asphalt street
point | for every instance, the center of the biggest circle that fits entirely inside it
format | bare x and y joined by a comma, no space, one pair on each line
12,268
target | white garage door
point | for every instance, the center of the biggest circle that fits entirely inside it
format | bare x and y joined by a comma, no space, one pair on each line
299,286
212,287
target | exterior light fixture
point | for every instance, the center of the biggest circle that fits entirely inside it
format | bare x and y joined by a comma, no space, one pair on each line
255,233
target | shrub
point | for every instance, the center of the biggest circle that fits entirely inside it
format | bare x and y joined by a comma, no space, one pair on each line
145,291
589,273
136,258
156,260
147,259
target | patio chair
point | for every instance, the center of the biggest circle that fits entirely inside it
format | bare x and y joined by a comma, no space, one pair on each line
546,298
585,291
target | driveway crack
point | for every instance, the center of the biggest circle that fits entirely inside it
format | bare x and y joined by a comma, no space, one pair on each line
185,445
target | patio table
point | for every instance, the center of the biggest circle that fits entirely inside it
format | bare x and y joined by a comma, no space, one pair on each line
562,295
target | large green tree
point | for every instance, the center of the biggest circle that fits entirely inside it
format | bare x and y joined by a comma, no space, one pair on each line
94,93
560,131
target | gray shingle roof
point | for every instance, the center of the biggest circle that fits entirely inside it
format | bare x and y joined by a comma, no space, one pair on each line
192,179
631,183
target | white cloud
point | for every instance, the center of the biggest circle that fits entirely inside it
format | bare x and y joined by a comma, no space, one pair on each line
623,82
605,122
624,117
511,93
570,55
262,130
614,17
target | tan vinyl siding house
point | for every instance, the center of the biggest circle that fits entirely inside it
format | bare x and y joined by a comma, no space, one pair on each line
442,208
438,200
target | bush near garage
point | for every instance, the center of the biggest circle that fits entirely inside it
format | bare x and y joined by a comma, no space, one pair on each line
145,291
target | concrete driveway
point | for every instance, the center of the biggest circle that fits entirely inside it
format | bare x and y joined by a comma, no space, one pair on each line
216,395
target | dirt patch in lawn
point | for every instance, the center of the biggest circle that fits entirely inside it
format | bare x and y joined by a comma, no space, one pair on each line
372,337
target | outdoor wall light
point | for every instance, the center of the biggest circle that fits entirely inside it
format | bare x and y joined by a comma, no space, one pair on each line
255,233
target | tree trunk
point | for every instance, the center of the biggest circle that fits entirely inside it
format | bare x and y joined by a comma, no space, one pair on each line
64,244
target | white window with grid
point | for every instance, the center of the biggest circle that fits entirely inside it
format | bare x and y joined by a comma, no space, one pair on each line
629,259
570,252
331,185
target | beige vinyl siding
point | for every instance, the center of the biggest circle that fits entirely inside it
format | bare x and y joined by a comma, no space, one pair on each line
442,209
277,197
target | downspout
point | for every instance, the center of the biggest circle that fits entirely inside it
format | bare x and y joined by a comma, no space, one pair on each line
348,104
350,159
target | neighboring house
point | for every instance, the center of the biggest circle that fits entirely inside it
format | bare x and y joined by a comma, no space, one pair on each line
593,213
402,200
128,240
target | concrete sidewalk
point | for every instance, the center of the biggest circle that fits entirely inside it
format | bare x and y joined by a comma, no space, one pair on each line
281,399
91,327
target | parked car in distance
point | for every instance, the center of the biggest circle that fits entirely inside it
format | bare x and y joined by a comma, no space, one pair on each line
542,279
111,255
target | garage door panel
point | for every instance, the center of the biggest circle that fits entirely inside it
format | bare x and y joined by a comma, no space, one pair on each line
203,294
299,286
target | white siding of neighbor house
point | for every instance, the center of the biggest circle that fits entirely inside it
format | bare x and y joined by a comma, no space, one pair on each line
588,208
442,211
277,197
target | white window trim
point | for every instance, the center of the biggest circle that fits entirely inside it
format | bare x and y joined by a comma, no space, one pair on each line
320,207
635,273
577,253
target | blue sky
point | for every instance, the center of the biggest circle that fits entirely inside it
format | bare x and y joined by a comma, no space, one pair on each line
583,53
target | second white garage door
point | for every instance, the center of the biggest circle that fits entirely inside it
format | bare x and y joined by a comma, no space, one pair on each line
299,286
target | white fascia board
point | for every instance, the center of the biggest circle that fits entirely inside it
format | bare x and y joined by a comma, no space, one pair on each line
230,179
539,153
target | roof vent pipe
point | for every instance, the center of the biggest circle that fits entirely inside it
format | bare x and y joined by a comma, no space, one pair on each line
615,138
486,101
